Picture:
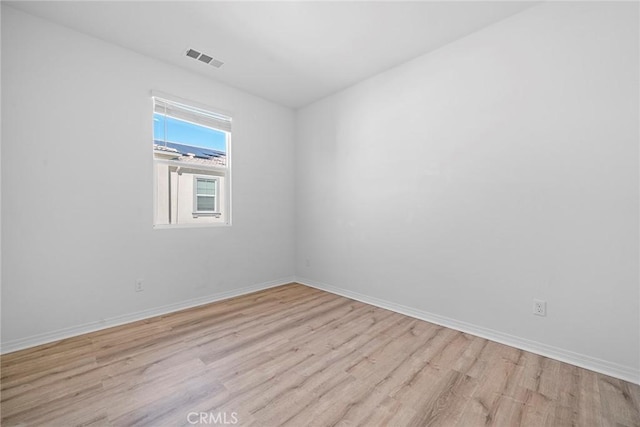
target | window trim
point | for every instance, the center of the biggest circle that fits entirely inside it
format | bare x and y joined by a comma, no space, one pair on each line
192,103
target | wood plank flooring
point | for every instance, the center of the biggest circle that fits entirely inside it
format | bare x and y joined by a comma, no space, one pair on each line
297,356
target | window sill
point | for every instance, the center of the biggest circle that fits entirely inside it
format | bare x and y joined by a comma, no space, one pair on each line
207,214
208,225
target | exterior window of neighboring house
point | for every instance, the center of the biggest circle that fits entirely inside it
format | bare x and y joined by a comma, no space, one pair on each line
191,156
205,197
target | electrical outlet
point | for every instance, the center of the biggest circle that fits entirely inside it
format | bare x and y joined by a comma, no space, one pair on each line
307,262
539,307
138,286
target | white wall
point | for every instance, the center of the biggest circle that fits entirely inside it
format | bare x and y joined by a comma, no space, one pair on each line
498,169
77,205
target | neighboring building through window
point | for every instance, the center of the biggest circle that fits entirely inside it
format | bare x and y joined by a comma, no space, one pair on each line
191,148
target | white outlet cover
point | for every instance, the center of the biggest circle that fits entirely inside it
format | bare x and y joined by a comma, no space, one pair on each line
539,307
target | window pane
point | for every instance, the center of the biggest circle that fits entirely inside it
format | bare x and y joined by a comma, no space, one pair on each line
206,203
171,130
205,186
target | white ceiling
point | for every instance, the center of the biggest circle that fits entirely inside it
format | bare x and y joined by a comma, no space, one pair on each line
291,53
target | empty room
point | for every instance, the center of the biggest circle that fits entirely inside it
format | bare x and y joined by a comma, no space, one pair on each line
299,213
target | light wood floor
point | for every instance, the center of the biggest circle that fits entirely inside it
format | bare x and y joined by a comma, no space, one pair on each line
298,356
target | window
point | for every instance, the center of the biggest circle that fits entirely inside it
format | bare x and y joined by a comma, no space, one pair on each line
191,147
205,195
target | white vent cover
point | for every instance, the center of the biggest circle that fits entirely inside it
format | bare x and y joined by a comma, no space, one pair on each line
203,57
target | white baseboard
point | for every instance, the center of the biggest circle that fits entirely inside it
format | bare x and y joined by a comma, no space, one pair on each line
47,337
626,373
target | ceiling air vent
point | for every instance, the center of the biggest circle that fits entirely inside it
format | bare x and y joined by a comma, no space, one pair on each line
203,57
216,63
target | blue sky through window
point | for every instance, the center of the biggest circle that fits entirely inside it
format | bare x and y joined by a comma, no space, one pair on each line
187,133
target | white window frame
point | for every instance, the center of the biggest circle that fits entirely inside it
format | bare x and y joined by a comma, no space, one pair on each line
216,196
224,191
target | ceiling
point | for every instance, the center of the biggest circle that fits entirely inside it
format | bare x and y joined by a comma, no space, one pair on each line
292,53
